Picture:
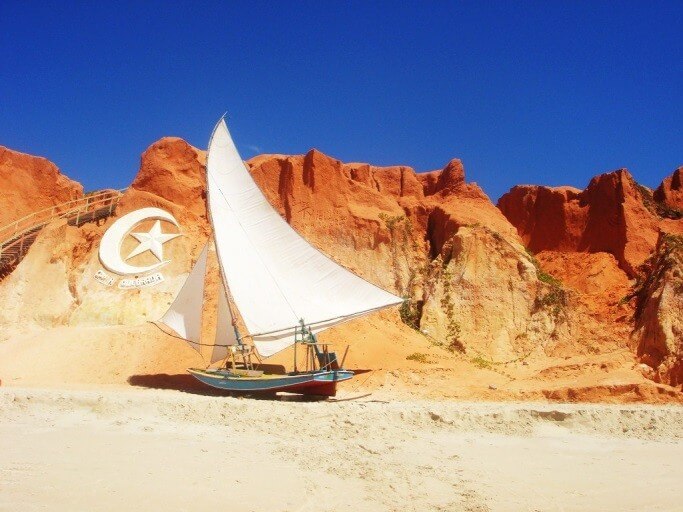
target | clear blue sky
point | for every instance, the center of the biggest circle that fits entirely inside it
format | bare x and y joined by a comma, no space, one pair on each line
523,92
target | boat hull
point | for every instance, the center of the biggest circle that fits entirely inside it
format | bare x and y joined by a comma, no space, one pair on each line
322,383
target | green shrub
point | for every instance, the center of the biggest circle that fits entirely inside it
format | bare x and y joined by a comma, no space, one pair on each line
480,362
419,358
555,299
548,279
542,276
410,313
453,330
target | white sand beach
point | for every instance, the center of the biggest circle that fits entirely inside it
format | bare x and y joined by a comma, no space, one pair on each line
118,449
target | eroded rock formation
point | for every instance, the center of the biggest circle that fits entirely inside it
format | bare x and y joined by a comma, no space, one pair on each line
55,283
432,238
610,215
470,283
658,334
30,183
597,239
670,193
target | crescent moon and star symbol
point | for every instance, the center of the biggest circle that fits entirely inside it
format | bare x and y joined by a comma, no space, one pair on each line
152,241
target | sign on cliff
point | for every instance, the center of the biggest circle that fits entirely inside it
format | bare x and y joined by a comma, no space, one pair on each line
152,241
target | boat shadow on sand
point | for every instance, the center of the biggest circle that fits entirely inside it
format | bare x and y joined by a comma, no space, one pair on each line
186,383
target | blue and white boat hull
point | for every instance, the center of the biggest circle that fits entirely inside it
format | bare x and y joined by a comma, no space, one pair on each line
322,383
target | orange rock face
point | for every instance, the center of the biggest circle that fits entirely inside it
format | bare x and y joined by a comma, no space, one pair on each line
581,235
431,237
352,209
173,170
547,218
658,333
600,287
437,240
55,285
610,215
670,192
30,183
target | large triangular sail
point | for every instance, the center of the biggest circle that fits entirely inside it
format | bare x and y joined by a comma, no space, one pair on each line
275,276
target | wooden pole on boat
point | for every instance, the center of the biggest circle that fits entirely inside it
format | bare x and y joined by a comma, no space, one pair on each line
295,370
341,365
232,358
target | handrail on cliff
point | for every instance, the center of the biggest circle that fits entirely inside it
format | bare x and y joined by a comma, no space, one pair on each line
15,232
61,210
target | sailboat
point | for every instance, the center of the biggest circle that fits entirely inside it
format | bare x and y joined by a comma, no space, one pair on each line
276,290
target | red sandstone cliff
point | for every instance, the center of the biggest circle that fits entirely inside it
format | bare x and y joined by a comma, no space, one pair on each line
610,216
439,242
670,192
432,237
172,170
658,333
578,234
30,183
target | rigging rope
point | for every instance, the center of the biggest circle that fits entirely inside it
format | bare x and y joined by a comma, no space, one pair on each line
156,324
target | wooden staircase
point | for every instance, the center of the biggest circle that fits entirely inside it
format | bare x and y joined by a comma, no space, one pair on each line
17,237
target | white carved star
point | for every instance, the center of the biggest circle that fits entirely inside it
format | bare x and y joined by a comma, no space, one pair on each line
152,241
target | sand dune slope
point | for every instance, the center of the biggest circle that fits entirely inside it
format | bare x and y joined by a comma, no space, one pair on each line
68,356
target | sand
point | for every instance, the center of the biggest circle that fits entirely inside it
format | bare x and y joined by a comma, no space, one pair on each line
106,418
117,448
143,355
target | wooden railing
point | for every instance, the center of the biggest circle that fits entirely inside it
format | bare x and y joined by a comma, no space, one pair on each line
16,237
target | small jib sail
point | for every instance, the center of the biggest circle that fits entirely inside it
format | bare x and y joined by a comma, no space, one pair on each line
185,314
274,276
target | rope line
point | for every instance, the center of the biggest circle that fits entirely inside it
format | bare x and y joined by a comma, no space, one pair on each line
156,324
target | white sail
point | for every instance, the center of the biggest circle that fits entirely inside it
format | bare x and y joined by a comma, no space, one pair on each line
276,277
185,314
225,331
